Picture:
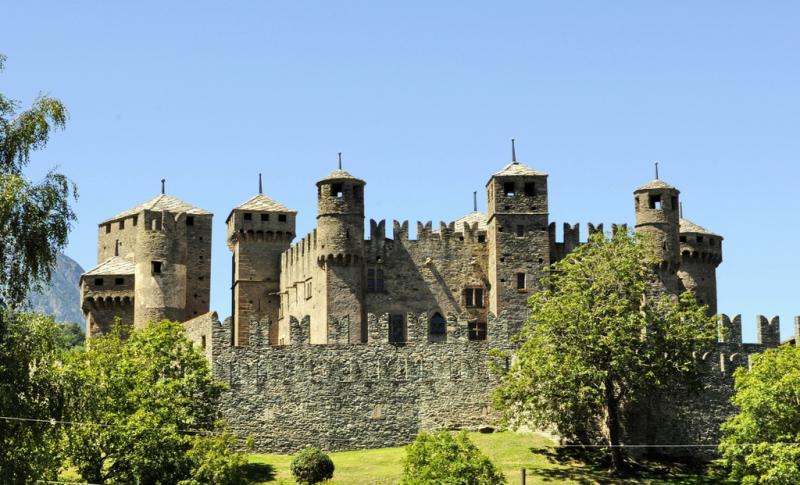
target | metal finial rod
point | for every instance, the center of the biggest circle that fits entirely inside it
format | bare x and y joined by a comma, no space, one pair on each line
656,163
513,151
340,160
681,214
260,186
163,190
475,201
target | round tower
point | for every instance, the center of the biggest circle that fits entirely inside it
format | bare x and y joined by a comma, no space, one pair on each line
657,214
340,253
701,253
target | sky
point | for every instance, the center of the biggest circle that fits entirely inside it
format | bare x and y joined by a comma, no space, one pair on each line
422,98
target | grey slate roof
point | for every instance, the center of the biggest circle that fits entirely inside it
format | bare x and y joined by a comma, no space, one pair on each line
116,265
161,202
689,227
655,184
261,202
516,168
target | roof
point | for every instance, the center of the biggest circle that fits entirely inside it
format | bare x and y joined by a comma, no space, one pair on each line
112,266
687,226
162,203
340,174
656,184
516,168
261,202
470,219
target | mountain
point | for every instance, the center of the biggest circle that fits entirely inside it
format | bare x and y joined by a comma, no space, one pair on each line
61,297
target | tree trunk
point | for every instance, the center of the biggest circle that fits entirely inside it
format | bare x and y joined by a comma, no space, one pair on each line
613,426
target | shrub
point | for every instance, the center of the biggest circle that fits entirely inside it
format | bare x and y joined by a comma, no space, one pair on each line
447,459
311,465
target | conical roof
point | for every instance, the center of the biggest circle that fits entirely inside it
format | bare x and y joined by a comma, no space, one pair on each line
116,265
655,184
340,174
689,227
516,168
163,203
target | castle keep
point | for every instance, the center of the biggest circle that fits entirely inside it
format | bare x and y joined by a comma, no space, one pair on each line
345,340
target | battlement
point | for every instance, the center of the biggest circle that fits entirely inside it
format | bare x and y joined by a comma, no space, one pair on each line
768,331
571,237
300,253
449,233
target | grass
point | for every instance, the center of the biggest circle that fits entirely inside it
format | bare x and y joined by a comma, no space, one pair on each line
509,451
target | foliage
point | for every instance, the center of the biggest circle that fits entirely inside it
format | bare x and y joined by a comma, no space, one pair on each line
72,335
35,218
760,443
150,400
311,465
447,459
213,461
600,335
29,388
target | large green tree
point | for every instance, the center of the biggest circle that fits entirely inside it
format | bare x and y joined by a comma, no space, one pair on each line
602,334
149,404
761,442
35,218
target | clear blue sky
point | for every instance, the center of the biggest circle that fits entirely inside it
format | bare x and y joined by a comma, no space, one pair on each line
422,98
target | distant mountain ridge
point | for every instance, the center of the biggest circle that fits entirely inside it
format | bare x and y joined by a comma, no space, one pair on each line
61,296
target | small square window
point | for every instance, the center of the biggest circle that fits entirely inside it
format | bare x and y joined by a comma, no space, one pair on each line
119,281
156,266
122,224
521,281
520,230
530,189
108,228
481,238
337,190
264,217
682,239
655,202
508,188
248,216
477,330
189,220
98,282
281,217
699,239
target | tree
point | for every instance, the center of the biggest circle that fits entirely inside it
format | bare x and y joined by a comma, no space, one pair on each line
35,218
150,404
30,389
601,334
442,458
760,443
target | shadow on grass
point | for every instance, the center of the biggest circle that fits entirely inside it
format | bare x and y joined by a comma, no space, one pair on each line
259,472
591,467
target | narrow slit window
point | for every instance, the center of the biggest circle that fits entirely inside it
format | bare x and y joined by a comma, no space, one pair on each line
108,228
189,220
156,266
468,297
135,220
379,281
438,325
521,281
397,331
122,224
520,230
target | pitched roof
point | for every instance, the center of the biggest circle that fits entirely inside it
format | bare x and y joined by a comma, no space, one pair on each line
163,203
516,168
655,184
340,174
112,266
261,202
687,226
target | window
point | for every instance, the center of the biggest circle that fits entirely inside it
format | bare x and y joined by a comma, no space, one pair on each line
119,281
135,220
520,281
98,282
281,217
156,267
438,325
155,224
122,224
682,239
308,290
108,228
520,230
336,190
508,188
397,329
473,297
375,281
481,238
655,202
203,341
264,217
530,189
699,239
476,330
189,220
248,216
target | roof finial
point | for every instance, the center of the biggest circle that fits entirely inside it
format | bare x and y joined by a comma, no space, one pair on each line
513,151
656,163
681,210
475,201
162,185
340,160
260,187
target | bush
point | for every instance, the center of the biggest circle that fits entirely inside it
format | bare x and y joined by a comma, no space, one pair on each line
311,465
447,459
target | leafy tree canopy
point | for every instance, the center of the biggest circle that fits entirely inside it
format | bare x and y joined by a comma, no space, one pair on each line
760,443
442,458
601,334
152,403
35,218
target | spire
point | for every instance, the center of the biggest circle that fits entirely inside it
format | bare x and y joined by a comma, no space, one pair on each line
260,186
162,186
681,214
656,163
340,160
475,201
513,152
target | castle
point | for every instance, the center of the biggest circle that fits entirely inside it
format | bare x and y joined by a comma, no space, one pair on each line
340,336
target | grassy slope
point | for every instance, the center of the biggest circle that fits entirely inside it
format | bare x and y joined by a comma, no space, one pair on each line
509,451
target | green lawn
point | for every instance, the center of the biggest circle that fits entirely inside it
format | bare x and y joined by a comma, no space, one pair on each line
509,451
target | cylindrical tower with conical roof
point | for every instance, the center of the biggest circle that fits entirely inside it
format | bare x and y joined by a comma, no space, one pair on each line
340,252
657,213
701,253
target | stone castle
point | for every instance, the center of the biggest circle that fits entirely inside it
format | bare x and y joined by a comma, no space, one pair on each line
347,342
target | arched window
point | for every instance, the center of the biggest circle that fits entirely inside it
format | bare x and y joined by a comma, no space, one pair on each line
438,325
